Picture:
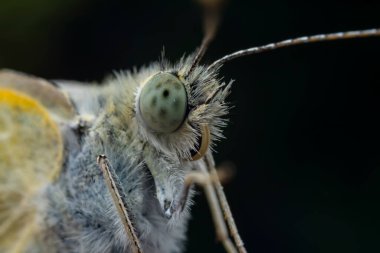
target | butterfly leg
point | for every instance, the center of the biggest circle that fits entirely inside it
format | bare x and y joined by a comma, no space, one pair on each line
210,164
203,179
113,186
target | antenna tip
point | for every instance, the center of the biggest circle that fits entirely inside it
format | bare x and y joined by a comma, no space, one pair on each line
211,4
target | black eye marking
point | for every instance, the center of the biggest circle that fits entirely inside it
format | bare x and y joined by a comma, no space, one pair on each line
165,94
163,112
153,102
177,86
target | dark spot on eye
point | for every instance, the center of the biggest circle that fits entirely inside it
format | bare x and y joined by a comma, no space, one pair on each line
165,94
177,86
153,102
163,112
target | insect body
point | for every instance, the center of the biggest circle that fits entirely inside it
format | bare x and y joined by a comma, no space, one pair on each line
126,154
147,124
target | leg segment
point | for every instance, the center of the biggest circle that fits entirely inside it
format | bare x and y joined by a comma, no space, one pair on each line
209,160
112,185
203,179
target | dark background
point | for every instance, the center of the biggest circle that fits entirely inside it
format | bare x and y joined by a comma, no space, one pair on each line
303,133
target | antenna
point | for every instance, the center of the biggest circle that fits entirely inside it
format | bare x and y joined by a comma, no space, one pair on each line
211,18
296,41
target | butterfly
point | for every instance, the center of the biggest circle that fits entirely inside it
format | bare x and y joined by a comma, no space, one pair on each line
76,94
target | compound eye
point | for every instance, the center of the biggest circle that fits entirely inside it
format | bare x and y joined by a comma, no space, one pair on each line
162,103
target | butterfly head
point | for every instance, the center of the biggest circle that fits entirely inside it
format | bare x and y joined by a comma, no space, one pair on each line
172,108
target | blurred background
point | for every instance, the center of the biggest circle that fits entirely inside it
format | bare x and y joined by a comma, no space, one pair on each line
304,129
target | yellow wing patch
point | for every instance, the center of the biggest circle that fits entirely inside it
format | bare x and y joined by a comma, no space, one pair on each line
54,100
31,151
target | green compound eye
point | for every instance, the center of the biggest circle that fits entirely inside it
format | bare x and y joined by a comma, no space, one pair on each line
163,103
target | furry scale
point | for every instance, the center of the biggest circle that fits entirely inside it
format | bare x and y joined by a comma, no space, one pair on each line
79,215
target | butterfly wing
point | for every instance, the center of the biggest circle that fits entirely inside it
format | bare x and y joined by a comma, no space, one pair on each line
87,98
31,151
51,97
